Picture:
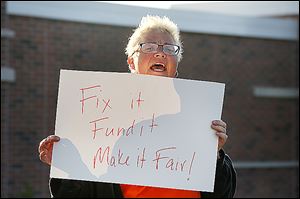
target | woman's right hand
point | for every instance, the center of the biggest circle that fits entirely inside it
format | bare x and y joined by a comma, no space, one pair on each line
46,148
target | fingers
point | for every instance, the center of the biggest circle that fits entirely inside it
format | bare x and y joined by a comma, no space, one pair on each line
52,138
220,128
45,158
46,147
219,123
222,136
47,142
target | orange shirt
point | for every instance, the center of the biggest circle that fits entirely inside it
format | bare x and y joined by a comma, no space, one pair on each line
134,191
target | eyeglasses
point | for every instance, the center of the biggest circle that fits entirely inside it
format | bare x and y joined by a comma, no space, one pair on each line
169,49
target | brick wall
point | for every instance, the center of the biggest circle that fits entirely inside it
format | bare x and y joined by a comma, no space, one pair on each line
260,129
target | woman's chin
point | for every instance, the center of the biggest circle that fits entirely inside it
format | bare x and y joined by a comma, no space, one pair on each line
163,74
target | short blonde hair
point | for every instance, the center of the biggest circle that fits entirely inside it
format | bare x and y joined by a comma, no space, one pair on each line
150,23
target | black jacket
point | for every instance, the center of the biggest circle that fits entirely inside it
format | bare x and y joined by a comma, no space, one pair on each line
225,184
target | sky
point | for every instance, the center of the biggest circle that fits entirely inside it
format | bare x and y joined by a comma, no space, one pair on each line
153,4
240,8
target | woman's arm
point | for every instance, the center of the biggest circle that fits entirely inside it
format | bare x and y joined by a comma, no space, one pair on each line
225,181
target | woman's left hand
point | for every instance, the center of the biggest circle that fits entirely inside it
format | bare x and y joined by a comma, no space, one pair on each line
220,128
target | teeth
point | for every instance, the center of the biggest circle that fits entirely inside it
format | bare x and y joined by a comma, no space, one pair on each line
158,70
158,67
159,64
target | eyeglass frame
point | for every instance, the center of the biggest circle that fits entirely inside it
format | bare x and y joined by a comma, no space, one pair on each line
162,45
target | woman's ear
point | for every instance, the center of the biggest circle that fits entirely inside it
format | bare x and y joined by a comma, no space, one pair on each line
131,66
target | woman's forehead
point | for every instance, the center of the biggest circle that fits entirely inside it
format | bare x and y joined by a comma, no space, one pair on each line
157,36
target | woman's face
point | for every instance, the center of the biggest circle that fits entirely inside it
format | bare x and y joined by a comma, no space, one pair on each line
158,63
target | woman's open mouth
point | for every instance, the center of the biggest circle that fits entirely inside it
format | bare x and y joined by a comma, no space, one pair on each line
158,67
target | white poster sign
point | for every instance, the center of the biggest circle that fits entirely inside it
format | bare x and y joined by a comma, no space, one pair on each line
136,129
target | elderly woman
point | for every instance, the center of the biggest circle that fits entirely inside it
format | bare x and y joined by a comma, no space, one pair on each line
153,49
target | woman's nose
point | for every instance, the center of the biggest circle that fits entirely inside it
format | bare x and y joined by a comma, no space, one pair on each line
159,54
